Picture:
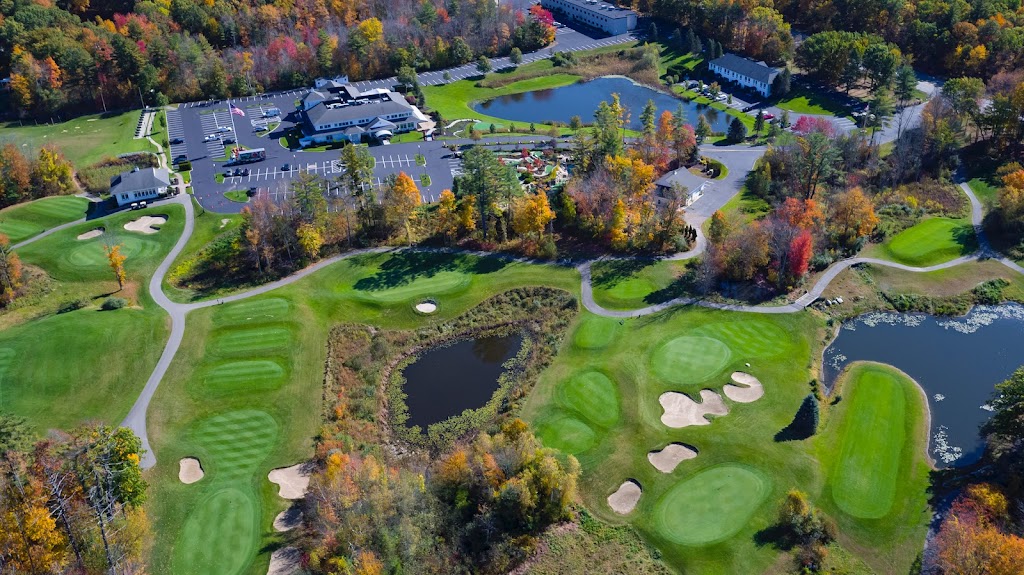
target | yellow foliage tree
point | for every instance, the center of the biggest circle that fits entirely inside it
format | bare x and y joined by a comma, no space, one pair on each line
467,214
853,215
447,215
311,239
371,29
532,214
31,540
617,232
115,259
400,201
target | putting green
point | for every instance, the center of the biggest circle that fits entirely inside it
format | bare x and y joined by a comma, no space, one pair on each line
236,443
873,437
932,241
252,311
689,359
562,431
219,536
441,283
595,332
711,506
592,395
244,376
749,337
90,254
635,288
251,341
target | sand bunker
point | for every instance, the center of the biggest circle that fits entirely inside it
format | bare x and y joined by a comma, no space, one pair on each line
292,481
91,234
625,498
288,519
426,307
681,411
751,389
667,459
285,561
145,224
189,470
224,222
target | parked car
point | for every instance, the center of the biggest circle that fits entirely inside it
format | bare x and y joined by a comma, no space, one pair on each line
211,138
227,173
237,172
229,140
769,116
245,172
175,141
286,168
142,205
135,205
180,158
223,129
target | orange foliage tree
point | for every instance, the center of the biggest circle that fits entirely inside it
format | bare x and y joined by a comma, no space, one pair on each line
115,259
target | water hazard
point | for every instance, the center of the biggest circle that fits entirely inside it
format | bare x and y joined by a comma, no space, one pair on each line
446,381
581,99
957,361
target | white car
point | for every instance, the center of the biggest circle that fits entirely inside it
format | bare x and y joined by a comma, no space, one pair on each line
211,137
223,129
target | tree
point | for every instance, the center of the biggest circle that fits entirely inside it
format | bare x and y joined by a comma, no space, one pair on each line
880,61
703,128
617,237
447,216
905,84
782,83
575,123
515,56
759,122
853,216
718,229
483,65
609,121
311,239
1007,424
692,42
647,117
308,199
815,160
10,272
532,215
486,179
407,76
15,433
447,76
401,197
358,165
460,51
15,174
737,131
115,259
52,173
800,251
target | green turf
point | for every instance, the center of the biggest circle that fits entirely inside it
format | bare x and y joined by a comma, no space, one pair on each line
85,140
596,332
455,100
23,221
591,395
565,432
689,360
633,284
986,188
434,285
234,443
244,376
712,505
932,241
240,196
245,341
810,101
749,337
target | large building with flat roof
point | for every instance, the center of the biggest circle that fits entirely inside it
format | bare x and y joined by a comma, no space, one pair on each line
335,111
594,13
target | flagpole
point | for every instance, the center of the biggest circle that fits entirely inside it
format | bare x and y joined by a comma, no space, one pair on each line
234,134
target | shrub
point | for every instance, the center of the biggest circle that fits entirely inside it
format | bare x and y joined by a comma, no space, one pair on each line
72,305
184,166
112,303
990,292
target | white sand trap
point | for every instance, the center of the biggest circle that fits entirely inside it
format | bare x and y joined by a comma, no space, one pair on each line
667,459
292,481
189,470
288,519
681,411
625,498
285,561
91,234
751,389
426,307
145,224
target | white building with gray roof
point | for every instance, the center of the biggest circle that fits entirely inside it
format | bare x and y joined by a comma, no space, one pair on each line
145,184
334,111
745,72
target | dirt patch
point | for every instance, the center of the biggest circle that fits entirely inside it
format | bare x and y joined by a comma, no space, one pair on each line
285,561
190,470
672,455
748,390
681,411
292,481
91,234
145,224
288,519
625,497
426,307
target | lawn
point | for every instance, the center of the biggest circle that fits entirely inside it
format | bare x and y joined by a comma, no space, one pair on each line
632,284
802,100
90,363
240,196
244,391
453,101
208,225
986,188
23,221
932,241
85,140
873,451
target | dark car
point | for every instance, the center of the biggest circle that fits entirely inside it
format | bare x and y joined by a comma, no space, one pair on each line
245,172
251,192
180,158
229,140
238,171
177,141
286,168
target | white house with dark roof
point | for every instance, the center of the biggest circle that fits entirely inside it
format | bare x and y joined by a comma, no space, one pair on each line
745,72
136,185
685,181
335,112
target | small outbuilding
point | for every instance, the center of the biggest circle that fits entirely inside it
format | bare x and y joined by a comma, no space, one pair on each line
136,185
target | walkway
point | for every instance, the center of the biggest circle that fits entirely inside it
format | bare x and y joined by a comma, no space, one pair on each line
136,419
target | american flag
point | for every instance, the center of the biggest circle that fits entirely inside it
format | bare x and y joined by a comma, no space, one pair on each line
237,111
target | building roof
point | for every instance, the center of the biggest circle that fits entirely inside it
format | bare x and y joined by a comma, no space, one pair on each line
323,113
135,180
685,178
602,7
758,71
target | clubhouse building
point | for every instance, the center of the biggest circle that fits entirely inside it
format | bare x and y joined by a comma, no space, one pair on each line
136,185
745,72
336,111
594,13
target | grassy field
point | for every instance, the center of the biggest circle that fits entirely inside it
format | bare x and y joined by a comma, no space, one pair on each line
23,221
873,451
244,392
240,196
632,284
90,363
806,101
930,242
986,188
84,140
454,101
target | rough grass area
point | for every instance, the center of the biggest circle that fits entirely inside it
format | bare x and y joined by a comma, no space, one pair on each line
96,178
932,241
85,140
24,221
873,454
632,284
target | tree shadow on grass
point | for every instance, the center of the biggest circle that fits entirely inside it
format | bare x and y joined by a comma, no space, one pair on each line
776,536
609,273
406,267
965,236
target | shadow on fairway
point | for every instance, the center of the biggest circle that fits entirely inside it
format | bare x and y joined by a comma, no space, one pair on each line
407,267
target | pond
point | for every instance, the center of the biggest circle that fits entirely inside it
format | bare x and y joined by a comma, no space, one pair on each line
446,381
581,99
957,361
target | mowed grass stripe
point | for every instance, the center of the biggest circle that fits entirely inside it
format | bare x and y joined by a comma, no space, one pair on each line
932,241
245,376
873,439
23,221
559,430
441,283
219,536
749,337
689,359
251,341
256,310
596,332
236,442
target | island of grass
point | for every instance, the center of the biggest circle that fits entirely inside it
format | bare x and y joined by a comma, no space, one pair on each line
932,241
240,196
23,221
